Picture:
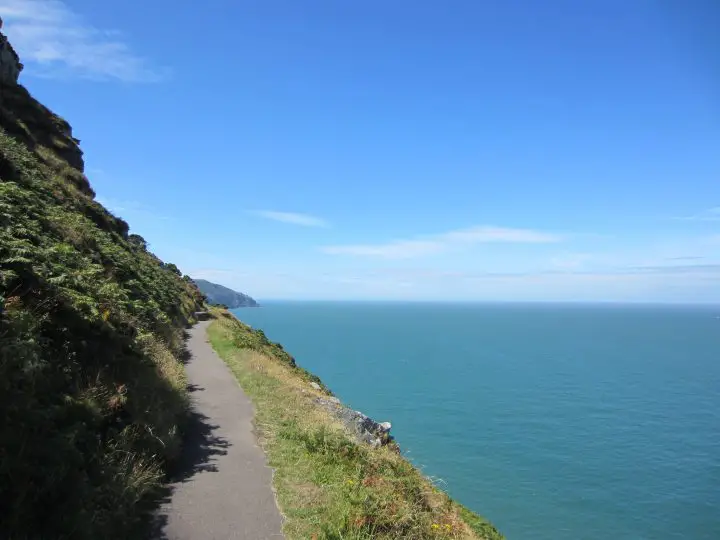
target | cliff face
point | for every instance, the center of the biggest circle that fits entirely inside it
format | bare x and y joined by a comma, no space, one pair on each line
32,122
92,389
10,66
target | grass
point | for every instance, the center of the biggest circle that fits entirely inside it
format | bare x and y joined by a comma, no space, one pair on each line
328,486
92,387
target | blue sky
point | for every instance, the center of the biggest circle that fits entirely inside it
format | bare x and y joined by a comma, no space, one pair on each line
325,149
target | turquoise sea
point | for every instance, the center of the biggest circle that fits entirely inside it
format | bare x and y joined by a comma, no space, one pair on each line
557,422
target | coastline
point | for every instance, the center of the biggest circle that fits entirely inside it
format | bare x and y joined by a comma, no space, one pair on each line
338,473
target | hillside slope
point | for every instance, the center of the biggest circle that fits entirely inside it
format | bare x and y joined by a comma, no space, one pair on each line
92,390
217,294
331,481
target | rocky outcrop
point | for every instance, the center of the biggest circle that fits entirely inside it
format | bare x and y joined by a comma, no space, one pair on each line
366,429
43,132
10,66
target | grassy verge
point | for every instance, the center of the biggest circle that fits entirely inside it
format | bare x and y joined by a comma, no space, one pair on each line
328,486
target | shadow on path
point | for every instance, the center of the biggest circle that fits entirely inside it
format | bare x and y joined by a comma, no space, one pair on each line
199,448
185,355
221,486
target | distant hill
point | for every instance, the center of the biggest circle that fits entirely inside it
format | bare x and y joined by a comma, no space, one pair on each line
217,294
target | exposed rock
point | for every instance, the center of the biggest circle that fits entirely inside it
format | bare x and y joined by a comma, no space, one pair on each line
316,386
362,426
10,66
34,124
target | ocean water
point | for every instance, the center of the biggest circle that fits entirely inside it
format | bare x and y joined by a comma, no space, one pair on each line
557,422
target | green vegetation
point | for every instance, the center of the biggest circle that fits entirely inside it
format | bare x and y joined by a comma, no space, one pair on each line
328,486
92,392
222,296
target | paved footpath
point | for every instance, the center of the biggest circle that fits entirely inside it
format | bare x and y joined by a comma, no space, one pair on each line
223,488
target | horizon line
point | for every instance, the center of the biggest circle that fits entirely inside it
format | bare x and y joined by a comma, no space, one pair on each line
426,301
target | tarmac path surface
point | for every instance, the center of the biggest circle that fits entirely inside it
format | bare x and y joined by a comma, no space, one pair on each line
222,489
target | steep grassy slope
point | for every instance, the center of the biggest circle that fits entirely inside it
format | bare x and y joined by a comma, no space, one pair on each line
91,387
329,486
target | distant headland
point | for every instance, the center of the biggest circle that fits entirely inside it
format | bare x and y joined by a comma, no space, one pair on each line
220,295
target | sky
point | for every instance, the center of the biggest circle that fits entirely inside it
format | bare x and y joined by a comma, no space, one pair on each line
500,150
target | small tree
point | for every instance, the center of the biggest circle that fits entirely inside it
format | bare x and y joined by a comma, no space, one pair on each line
173,268
137,241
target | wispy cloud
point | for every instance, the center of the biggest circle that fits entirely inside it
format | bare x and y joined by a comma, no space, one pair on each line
115,205
54,41
293,218
685,258
711,214
618,271
433,244
130,208
215,274
574,261
94,171
681,269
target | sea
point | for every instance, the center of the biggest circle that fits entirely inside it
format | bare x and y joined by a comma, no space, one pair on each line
553,421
